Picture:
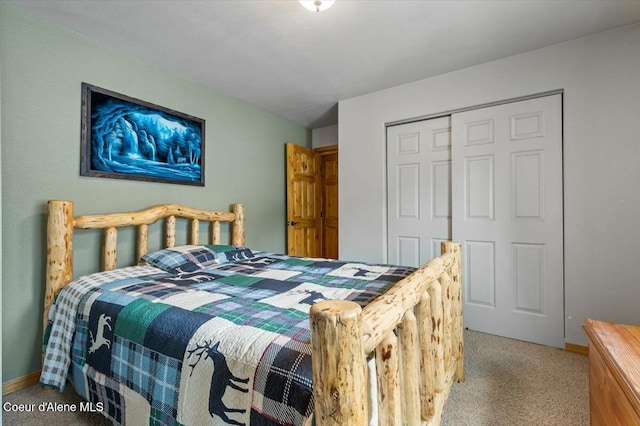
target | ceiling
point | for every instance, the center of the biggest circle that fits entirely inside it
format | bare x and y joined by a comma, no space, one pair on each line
298,64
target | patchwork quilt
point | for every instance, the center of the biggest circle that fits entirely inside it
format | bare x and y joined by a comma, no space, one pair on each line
200,334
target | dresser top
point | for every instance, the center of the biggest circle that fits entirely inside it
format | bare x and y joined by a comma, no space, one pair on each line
619,346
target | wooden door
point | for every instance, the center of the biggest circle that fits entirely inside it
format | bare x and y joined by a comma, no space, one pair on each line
419,188
507,213
329,172
303,202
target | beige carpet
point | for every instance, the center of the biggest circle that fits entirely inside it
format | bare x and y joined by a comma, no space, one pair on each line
507,382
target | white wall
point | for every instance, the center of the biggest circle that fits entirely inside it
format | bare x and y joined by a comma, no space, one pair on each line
324,136
600,76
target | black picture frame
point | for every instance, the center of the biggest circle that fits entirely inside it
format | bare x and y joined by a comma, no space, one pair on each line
127,138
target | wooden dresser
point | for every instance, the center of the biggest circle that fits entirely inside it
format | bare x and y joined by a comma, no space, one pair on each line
614,373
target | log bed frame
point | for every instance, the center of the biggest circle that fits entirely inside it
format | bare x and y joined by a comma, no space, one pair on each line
416,326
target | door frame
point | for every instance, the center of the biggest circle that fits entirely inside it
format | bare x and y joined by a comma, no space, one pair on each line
323,152
478,106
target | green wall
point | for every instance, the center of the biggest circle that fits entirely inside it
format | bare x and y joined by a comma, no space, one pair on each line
42,69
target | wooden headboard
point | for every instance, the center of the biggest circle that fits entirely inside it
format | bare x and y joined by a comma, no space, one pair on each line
61,224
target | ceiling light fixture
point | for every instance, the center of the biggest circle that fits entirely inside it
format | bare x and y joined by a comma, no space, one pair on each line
317,5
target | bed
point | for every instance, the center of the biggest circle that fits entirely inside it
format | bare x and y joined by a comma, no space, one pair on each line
222,334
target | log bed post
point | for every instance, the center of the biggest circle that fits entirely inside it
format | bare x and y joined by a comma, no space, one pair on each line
215,232
339,367
171,231
427,387
410,364
388,372
457,339
142,246
59,251
110,255
437,335
237,232
195,232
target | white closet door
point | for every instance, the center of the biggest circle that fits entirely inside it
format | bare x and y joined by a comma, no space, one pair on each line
419,188
507,213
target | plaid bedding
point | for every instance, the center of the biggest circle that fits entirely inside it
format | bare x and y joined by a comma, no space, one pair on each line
226,341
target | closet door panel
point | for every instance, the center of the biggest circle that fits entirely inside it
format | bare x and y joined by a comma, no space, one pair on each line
418,190
507,196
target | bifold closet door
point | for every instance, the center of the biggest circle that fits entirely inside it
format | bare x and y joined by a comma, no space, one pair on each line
507,213
418,190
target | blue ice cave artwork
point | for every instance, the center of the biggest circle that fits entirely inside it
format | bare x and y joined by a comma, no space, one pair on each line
143,141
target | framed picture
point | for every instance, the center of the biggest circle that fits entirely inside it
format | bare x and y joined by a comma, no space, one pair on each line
126,138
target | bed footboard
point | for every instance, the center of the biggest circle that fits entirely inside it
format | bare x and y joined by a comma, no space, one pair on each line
415,332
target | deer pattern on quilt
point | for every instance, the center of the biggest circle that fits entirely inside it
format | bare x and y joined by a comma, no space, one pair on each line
221,379
312,296
99,339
